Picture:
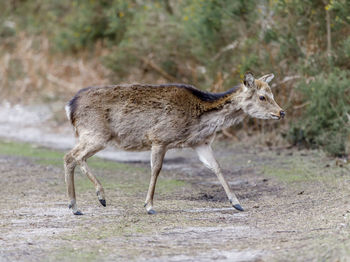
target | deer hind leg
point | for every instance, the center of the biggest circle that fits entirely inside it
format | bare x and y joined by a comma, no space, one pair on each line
157,156
206,156
78,156
69,166
85,170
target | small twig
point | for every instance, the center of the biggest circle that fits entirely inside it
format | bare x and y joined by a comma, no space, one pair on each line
225,49
289,78
225,132
285,231
329,36
286,79
158,70
321,228
302,105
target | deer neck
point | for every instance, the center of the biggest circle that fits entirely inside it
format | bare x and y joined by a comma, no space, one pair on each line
225,113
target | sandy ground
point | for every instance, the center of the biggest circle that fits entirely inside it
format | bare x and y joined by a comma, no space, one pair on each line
297,209
296,203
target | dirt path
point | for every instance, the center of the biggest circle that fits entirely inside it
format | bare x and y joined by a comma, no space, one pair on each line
297,209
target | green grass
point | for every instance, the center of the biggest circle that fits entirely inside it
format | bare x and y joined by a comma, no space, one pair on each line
289,175
301,167
294,169
128,178
130,186
27,150
51,157
169,185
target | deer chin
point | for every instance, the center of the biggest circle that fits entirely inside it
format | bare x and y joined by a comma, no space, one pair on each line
260,116
273,116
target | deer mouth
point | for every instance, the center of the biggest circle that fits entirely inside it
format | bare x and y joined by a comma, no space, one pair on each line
273,116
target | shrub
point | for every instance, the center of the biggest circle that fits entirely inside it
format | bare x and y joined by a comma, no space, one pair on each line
88,22
325,122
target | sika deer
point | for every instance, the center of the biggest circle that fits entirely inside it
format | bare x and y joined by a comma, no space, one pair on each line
159,117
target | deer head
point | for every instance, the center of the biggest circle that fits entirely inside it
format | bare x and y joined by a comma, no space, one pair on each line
257,99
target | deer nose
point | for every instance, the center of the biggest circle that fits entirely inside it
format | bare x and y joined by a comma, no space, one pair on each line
282,114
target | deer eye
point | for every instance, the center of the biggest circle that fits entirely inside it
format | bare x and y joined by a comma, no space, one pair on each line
262,98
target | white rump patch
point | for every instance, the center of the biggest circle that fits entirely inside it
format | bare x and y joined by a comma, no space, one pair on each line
67,108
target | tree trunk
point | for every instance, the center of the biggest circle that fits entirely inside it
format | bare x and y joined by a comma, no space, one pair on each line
329,39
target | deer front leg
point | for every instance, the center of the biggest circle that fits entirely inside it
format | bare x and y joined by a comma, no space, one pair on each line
206,156
157,156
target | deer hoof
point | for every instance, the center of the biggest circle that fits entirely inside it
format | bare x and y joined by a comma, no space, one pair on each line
103,202
78,213
238,207
151,212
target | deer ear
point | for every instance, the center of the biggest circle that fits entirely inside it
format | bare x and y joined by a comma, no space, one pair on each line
249,80
267,78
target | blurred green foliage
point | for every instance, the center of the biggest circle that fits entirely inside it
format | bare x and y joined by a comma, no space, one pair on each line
90,21
325,121
197,40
